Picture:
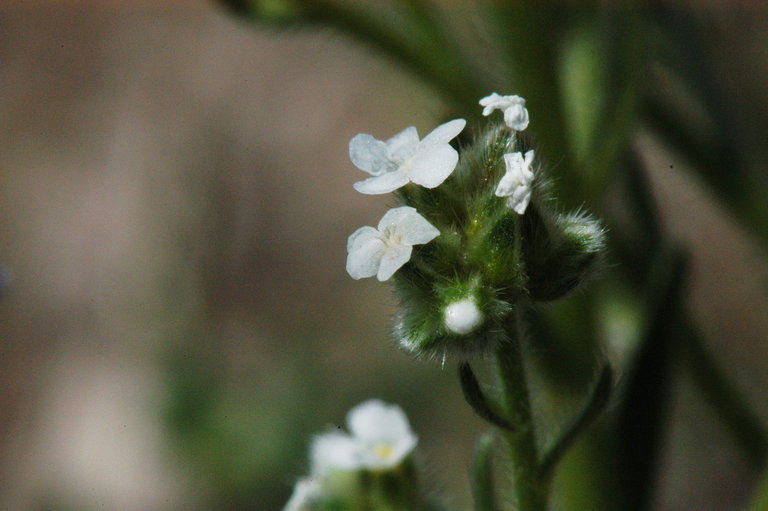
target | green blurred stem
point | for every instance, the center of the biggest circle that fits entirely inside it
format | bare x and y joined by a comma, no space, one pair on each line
529,491
483,484
416,49
643,414
727,402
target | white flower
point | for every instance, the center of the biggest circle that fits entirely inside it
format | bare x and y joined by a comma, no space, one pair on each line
516,183
463,316
515,113
380,439
304,492
383,432
403,158
383,251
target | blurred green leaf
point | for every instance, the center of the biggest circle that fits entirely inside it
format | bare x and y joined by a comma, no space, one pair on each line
643,411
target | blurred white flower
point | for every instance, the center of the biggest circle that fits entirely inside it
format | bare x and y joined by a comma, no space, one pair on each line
515,113
384,433
384,250
380,439
403,158
463,316
516,183
333,450
304,492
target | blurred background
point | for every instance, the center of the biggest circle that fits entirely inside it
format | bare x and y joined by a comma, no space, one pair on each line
176,197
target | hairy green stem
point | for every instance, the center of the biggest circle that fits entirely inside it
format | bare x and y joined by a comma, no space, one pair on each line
529,491
483,484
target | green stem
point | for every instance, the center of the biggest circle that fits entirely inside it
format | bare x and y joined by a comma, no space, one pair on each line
529,491
483,484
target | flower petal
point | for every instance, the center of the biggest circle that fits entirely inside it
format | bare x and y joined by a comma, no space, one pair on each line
403,145
520,199
394,216
408,225
516,183
304,492
365,249
516,117
432,166
377,421
384,183
443,133
507,185
334,451
369,154
490,103
393,259
414,229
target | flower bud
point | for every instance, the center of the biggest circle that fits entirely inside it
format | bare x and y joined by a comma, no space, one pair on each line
564,253
463,316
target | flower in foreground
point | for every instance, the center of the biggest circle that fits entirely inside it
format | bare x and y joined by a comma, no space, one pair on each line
379,438
404,158
516,183
382,251
515,113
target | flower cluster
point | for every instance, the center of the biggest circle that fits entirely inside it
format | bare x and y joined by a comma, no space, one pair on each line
380,440
393,164
472,234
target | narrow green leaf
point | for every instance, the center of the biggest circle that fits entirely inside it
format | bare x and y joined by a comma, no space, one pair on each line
643,413
474,396
596,402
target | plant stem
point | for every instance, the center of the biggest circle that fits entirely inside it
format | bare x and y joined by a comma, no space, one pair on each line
528,489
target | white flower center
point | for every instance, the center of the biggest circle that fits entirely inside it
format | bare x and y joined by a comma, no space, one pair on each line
390,236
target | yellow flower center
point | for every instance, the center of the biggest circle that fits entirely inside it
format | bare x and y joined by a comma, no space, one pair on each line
383,451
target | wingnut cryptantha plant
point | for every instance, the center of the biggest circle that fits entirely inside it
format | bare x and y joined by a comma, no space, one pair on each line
475,234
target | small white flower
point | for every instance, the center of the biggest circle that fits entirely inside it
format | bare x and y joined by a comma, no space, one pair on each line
463,316
383,432
516,183
404,158
380,438
384,250
304,492
515,113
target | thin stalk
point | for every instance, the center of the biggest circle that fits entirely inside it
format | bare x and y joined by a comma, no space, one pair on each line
529,491
483,484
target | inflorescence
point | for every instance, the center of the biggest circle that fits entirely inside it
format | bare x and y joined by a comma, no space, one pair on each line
474,234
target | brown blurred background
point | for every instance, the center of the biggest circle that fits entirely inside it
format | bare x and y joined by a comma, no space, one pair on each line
177,321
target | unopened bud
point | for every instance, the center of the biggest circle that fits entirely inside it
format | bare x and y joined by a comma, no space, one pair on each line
463,316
